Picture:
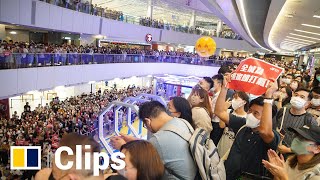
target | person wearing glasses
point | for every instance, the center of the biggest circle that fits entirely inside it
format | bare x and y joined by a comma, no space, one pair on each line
172,148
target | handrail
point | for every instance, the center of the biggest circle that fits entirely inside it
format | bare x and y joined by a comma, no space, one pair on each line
25,60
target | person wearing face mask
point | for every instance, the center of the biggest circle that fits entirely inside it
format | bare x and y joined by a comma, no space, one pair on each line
294,85
239,105
201,109
180,107
294,117
305,163
254,135
314,107
140,166
283,97
173,149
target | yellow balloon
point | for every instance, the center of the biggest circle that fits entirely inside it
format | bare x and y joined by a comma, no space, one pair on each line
205,46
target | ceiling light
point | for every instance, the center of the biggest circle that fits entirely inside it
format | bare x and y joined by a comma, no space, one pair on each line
300,39
308,32
291,43
247,26
304,36
288,40
289,15
309,25
316,16
13,32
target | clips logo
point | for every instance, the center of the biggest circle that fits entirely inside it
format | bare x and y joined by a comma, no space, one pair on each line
25,157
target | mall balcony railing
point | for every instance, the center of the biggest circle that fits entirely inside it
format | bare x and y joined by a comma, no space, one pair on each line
24,60
88,8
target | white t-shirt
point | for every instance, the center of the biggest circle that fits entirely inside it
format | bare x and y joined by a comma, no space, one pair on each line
295,173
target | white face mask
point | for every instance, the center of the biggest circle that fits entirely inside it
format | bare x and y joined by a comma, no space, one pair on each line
297,102
294,86
122,172
236,103
315,102
286,80
252,122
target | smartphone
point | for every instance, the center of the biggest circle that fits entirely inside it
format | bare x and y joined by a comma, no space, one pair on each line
283,132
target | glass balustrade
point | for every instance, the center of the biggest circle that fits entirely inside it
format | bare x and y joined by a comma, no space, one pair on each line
17,60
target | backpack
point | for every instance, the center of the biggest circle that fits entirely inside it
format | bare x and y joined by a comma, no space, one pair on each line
203,151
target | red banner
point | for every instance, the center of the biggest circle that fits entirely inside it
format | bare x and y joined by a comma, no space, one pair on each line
253,76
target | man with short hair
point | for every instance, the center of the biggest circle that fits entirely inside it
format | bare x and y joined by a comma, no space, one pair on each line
295,117
254,135
71,140
206,83
314,108
173,149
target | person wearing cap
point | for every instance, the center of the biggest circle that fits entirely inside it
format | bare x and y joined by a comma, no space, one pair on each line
305,163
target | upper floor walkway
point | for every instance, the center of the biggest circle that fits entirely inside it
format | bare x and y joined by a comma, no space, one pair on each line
47,71
38,14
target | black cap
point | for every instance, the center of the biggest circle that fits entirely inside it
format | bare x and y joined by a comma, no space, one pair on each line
311,133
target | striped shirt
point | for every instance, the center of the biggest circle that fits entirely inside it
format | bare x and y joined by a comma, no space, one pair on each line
292,121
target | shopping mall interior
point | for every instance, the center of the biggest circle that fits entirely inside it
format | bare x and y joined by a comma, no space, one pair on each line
167,89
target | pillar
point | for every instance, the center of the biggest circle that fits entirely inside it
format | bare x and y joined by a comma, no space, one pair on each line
2,32
150,9
219,28
218,52
192,22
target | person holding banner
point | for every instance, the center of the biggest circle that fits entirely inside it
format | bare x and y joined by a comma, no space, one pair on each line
254,135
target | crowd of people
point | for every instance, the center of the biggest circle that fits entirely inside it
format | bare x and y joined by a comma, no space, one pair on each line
45,125
21,54
249,131
94,9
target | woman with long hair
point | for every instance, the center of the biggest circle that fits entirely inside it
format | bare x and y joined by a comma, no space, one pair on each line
305,163
180,107
142,161
201,109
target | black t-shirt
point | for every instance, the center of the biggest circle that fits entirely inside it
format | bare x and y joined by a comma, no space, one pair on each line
27,108
292,121
247,151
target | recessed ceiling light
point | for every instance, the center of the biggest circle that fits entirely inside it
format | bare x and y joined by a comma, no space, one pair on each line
300,39
13,32
289,15
316,16
305,36
293,43
309,25
308,32
289,40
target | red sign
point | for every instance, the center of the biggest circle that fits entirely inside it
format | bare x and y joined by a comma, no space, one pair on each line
148,38
253,76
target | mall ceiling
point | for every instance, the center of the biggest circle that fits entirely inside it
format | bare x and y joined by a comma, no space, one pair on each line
297,25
